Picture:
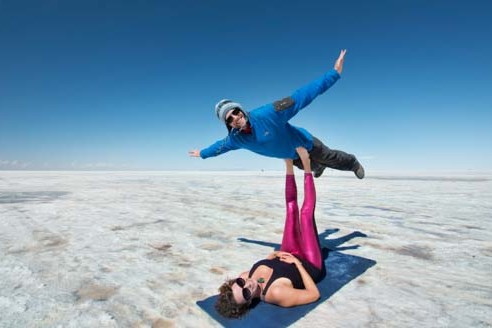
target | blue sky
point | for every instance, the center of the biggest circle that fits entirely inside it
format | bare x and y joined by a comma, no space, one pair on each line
132,84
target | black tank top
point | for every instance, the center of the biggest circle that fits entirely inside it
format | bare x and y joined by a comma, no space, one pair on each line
280,270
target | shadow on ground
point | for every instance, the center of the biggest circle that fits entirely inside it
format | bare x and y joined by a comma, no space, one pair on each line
341,269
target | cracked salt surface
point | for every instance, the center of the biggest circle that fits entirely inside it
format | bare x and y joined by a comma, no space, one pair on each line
117,249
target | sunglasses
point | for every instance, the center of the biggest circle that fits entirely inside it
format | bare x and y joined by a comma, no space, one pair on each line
235,112
246,292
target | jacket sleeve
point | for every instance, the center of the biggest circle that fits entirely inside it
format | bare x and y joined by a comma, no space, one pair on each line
218,148
290,106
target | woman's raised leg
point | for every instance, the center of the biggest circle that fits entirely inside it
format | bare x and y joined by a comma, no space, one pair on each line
291,238
311,249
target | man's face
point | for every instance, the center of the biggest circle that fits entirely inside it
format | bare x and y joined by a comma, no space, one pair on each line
236,119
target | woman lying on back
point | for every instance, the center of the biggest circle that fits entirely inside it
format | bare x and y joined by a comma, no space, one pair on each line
287,277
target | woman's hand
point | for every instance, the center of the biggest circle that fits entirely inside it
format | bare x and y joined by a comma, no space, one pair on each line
288,258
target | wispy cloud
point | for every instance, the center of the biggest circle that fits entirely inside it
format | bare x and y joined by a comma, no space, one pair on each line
14,164
97,166
22,165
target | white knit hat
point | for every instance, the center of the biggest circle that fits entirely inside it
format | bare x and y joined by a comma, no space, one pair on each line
223,107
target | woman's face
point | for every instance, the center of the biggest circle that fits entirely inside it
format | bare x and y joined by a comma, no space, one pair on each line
244,289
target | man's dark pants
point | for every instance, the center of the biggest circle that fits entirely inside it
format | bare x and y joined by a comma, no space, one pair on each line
323,156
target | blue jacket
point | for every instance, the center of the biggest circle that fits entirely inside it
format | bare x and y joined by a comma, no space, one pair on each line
272,135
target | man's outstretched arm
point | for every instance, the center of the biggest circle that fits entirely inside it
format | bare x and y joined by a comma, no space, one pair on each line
218,148
303,96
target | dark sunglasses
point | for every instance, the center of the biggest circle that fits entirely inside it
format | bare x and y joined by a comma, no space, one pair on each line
235,112
246,292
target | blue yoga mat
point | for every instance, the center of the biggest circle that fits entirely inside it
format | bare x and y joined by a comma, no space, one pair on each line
340,269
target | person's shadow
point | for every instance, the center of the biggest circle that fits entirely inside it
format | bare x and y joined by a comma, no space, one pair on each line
340,270
327,245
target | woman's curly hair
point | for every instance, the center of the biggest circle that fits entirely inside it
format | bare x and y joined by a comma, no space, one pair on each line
226,304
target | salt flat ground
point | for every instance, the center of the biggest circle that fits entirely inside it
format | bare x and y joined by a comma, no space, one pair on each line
138,249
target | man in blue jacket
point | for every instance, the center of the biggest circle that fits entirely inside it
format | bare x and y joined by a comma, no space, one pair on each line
266,130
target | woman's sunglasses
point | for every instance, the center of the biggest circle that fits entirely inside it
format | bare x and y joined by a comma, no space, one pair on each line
246,292
235,112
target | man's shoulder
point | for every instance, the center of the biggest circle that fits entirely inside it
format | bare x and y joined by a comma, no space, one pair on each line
263,110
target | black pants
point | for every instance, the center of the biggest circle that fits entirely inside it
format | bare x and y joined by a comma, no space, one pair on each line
323,156
316,274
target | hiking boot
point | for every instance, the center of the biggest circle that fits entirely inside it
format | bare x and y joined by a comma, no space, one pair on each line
318,170
358,170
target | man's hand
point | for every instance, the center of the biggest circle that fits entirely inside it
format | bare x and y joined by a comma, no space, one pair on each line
339,63
194,153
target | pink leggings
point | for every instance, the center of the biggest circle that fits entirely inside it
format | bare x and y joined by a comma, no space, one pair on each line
301,236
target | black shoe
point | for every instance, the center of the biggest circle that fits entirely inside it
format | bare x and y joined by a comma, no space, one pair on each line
359,170
318,171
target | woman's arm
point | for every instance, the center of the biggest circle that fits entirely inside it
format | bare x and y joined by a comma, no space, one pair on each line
287,296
